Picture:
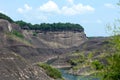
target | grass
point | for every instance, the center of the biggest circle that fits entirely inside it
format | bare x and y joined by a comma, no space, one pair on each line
52,72
17,34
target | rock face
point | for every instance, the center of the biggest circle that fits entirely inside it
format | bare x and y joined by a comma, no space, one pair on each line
65,39
5,25
3,28
13,66
18,55
49,44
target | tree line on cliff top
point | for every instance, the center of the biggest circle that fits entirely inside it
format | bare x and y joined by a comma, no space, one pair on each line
45,26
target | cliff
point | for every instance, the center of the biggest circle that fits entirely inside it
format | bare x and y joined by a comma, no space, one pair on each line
57,39
13,66
20,50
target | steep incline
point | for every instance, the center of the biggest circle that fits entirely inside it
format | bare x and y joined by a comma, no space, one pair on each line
56,39
13,66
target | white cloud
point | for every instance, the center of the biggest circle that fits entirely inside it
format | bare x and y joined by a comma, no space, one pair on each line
77,9
26,8
44,11
109,5
50,6
20,10
73,9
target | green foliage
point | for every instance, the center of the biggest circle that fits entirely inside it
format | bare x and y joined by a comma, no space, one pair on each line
78,60
17,34
52,72
3,16
90,55
97,65
115,41
24,24
51,27
112,71
45,26
74,62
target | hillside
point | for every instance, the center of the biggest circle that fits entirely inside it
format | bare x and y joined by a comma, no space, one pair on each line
95,48
58,44
21,49
12,65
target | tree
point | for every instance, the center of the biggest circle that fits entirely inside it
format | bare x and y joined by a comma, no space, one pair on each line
112,70
51,27
3,16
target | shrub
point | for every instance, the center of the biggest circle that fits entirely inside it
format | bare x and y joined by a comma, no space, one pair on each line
52,72
97,65
112,71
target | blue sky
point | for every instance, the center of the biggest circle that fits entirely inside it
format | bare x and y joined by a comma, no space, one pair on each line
93,15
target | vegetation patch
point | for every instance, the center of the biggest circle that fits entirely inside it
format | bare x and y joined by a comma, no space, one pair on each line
52,72
51,27
17,34
97,65
3,16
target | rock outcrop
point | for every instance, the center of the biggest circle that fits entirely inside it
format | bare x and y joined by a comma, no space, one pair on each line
18,56
56,39
13,66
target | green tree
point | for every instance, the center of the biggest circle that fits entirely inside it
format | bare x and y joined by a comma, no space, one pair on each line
112,70
51,27
3,16
97,65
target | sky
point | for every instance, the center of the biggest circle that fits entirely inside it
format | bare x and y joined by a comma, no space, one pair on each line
93,15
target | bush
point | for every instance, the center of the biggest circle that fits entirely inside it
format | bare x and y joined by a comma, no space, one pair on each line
52,72
112,71
97,65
